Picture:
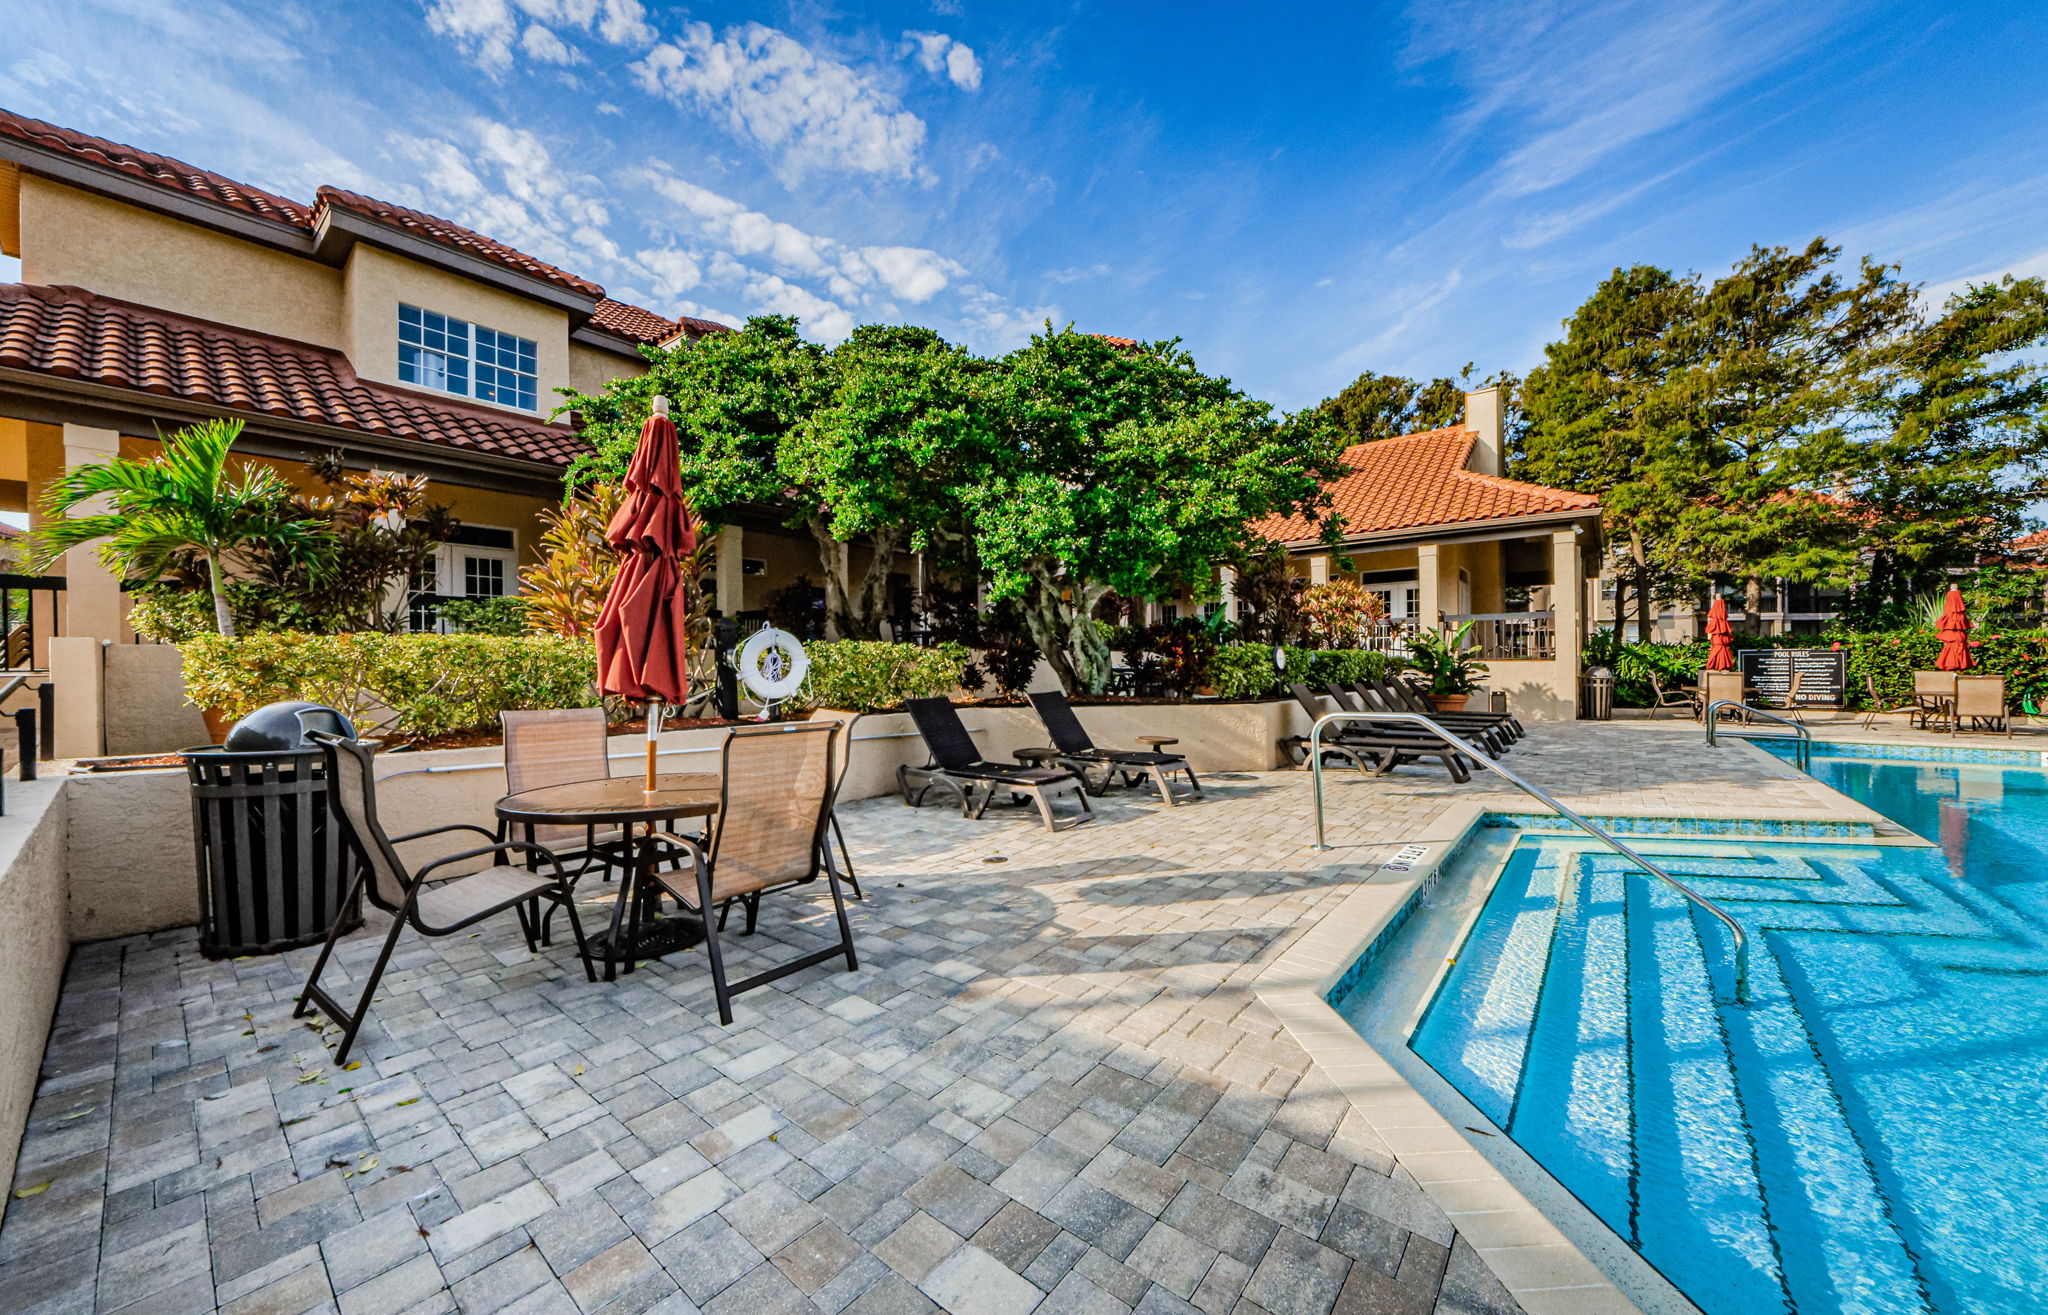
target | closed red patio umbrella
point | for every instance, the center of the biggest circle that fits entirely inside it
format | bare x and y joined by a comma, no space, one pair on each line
1954,632
1721,635
642,635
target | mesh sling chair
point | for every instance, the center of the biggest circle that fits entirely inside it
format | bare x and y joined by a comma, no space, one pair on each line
842,757
1408,696
1373,701
1377,749
557,747
774,809
438,909
1077,751
955,766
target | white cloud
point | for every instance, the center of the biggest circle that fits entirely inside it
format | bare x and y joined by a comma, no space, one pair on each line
489,31
827,321
808,111
1076,273
944,57
675,272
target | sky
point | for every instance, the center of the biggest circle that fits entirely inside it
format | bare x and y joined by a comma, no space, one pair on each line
1298,192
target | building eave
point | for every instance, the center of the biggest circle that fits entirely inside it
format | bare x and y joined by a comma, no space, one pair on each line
338,229
61,167
1501,527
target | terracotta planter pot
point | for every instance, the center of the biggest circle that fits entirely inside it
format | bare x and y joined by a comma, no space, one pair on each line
217,724
1449,702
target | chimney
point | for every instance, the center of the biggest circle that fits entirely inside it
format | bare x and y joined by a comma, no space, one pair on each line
1482,417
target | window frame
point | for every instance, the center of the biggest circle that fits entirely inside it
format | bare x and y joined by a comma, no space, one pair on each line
490,359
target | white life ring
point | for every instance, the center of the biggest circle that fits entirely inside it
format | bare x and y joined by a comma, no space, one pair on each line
773,664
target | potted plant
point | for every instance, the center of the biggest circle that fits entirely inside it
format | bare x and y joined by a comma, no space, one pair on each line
1447,663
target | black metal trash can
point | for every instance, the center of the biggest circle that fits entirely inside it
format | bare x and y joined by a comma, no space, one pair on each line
274,866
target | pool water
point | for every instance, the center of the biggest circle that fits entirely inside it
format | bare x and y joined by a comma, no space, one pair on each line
1871,1134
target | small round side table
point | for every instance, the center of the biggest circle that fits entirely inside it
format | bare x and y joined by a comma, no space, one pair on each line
1037,757
1158,742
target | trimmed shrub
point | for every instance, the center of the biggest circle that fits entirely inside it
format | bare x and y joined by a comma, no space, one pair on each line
869,676
403,686
1243,671
1317,666
503,615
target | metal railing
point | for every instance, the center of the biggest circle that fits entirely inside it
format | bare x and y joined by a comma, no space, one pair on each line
1509,636
1477,755
1801,737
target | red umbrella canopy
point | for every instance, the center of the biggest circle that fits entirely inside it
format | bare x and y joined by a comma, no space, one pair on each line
1953,630
641,632
1721,649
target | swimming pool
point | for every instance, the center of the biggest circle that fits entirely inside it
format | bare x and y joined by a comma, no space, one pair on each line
1870,1135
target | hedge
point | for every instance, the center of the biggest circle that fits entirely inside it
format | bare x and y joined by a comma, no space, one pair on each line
1244,671
407,686
867,676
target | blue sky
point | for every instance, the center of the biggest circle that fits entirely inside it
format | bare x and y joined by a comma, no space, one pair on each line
1298,192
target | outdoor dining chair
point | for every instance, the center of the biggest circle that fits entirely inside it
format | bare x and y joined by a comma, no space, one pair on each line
1980,702
429,907
1935,693
1682,697
957,767
559,746
1878,707
842,758
1722,687
1077,750
770,834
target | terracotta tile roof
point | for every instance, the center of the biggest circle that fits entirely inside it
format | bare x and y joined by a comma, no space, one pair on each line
639,324
1418,480
73,334
159,169
451,234
2033,542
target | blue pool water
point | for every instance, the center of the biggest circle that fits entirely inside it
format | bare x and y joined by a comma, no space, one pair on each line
1871,1134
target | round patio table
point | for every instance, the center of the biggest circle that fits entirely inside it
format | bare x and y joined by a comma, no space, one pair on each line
638,931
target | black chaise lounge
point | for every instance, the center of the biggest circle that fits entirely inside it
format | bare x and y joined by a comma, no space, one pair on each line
1365,698
1376,749
1403,694
956,767
1078,752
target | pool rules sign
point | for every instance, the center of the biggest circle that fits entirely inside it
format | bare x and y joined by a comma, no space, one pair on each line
1823,675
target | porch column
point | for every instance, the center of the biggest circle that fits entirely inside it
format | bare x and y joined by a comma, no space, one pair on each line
1429,593
1229,576
730,571
1567,594
92,601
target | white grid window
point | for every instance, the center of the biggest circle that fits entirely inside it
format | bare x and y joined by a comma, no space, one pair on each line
455,356
483,577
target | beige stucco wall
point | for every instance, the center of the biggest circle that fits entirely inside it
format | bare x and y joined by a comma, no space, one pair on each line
33,950
375,281
146,710
120,250
590,369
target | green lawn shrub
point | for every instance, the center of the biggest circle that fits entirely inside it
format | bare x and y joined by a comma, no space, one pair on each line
869,676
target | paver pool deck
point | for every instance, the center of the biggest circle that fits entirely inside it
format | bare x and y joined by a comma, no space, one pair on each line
1049,1088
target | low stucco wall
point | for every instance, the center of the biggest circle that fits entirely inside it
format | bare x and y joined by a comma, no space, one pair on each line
33,947
145,700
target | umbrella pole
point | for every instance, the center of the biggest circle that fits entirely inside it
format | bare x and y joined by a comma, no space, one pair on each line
653,730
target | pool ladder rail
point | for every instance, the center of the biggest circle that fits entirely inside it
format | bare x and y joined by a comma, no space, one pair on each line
1542,796
1801,737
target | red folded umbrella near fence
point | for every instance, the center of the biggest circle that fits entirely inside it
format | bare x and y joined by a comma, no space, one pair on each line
642,632
1721,637
1953,629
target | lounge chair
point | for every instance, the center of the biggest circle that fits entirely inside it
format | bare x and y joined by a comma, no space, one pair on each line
1489,741
1401,696
438,908
956,767
1078,752
842,757
774,811
1377,749
1980,701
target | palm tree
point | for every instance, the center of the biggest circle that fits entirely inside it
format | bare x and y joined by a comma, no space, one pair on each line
185,502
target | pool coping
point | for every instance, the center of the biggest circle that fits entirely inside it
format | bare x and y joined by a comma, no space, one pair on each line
1542,1268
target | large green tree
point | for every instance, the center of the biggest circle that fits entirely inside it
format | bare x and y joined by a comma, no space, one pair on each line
1375,406
1127,470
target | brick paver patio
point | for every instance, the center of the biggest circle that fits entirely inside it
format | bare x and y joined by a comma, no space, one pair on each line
1050,1088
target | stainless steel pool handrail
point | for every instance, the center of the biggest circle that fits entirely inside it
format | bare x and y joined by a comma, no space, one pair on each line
1315,749
1802,738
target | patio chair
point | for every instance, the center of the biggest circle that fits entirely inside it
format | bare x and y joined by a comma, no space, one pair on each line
1361,699
956,766
842,757
1077,751
1980,701
1377,749
1401,696
774,810
431,908
1687,697
1877,706
559,746
1722,686
1935,694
